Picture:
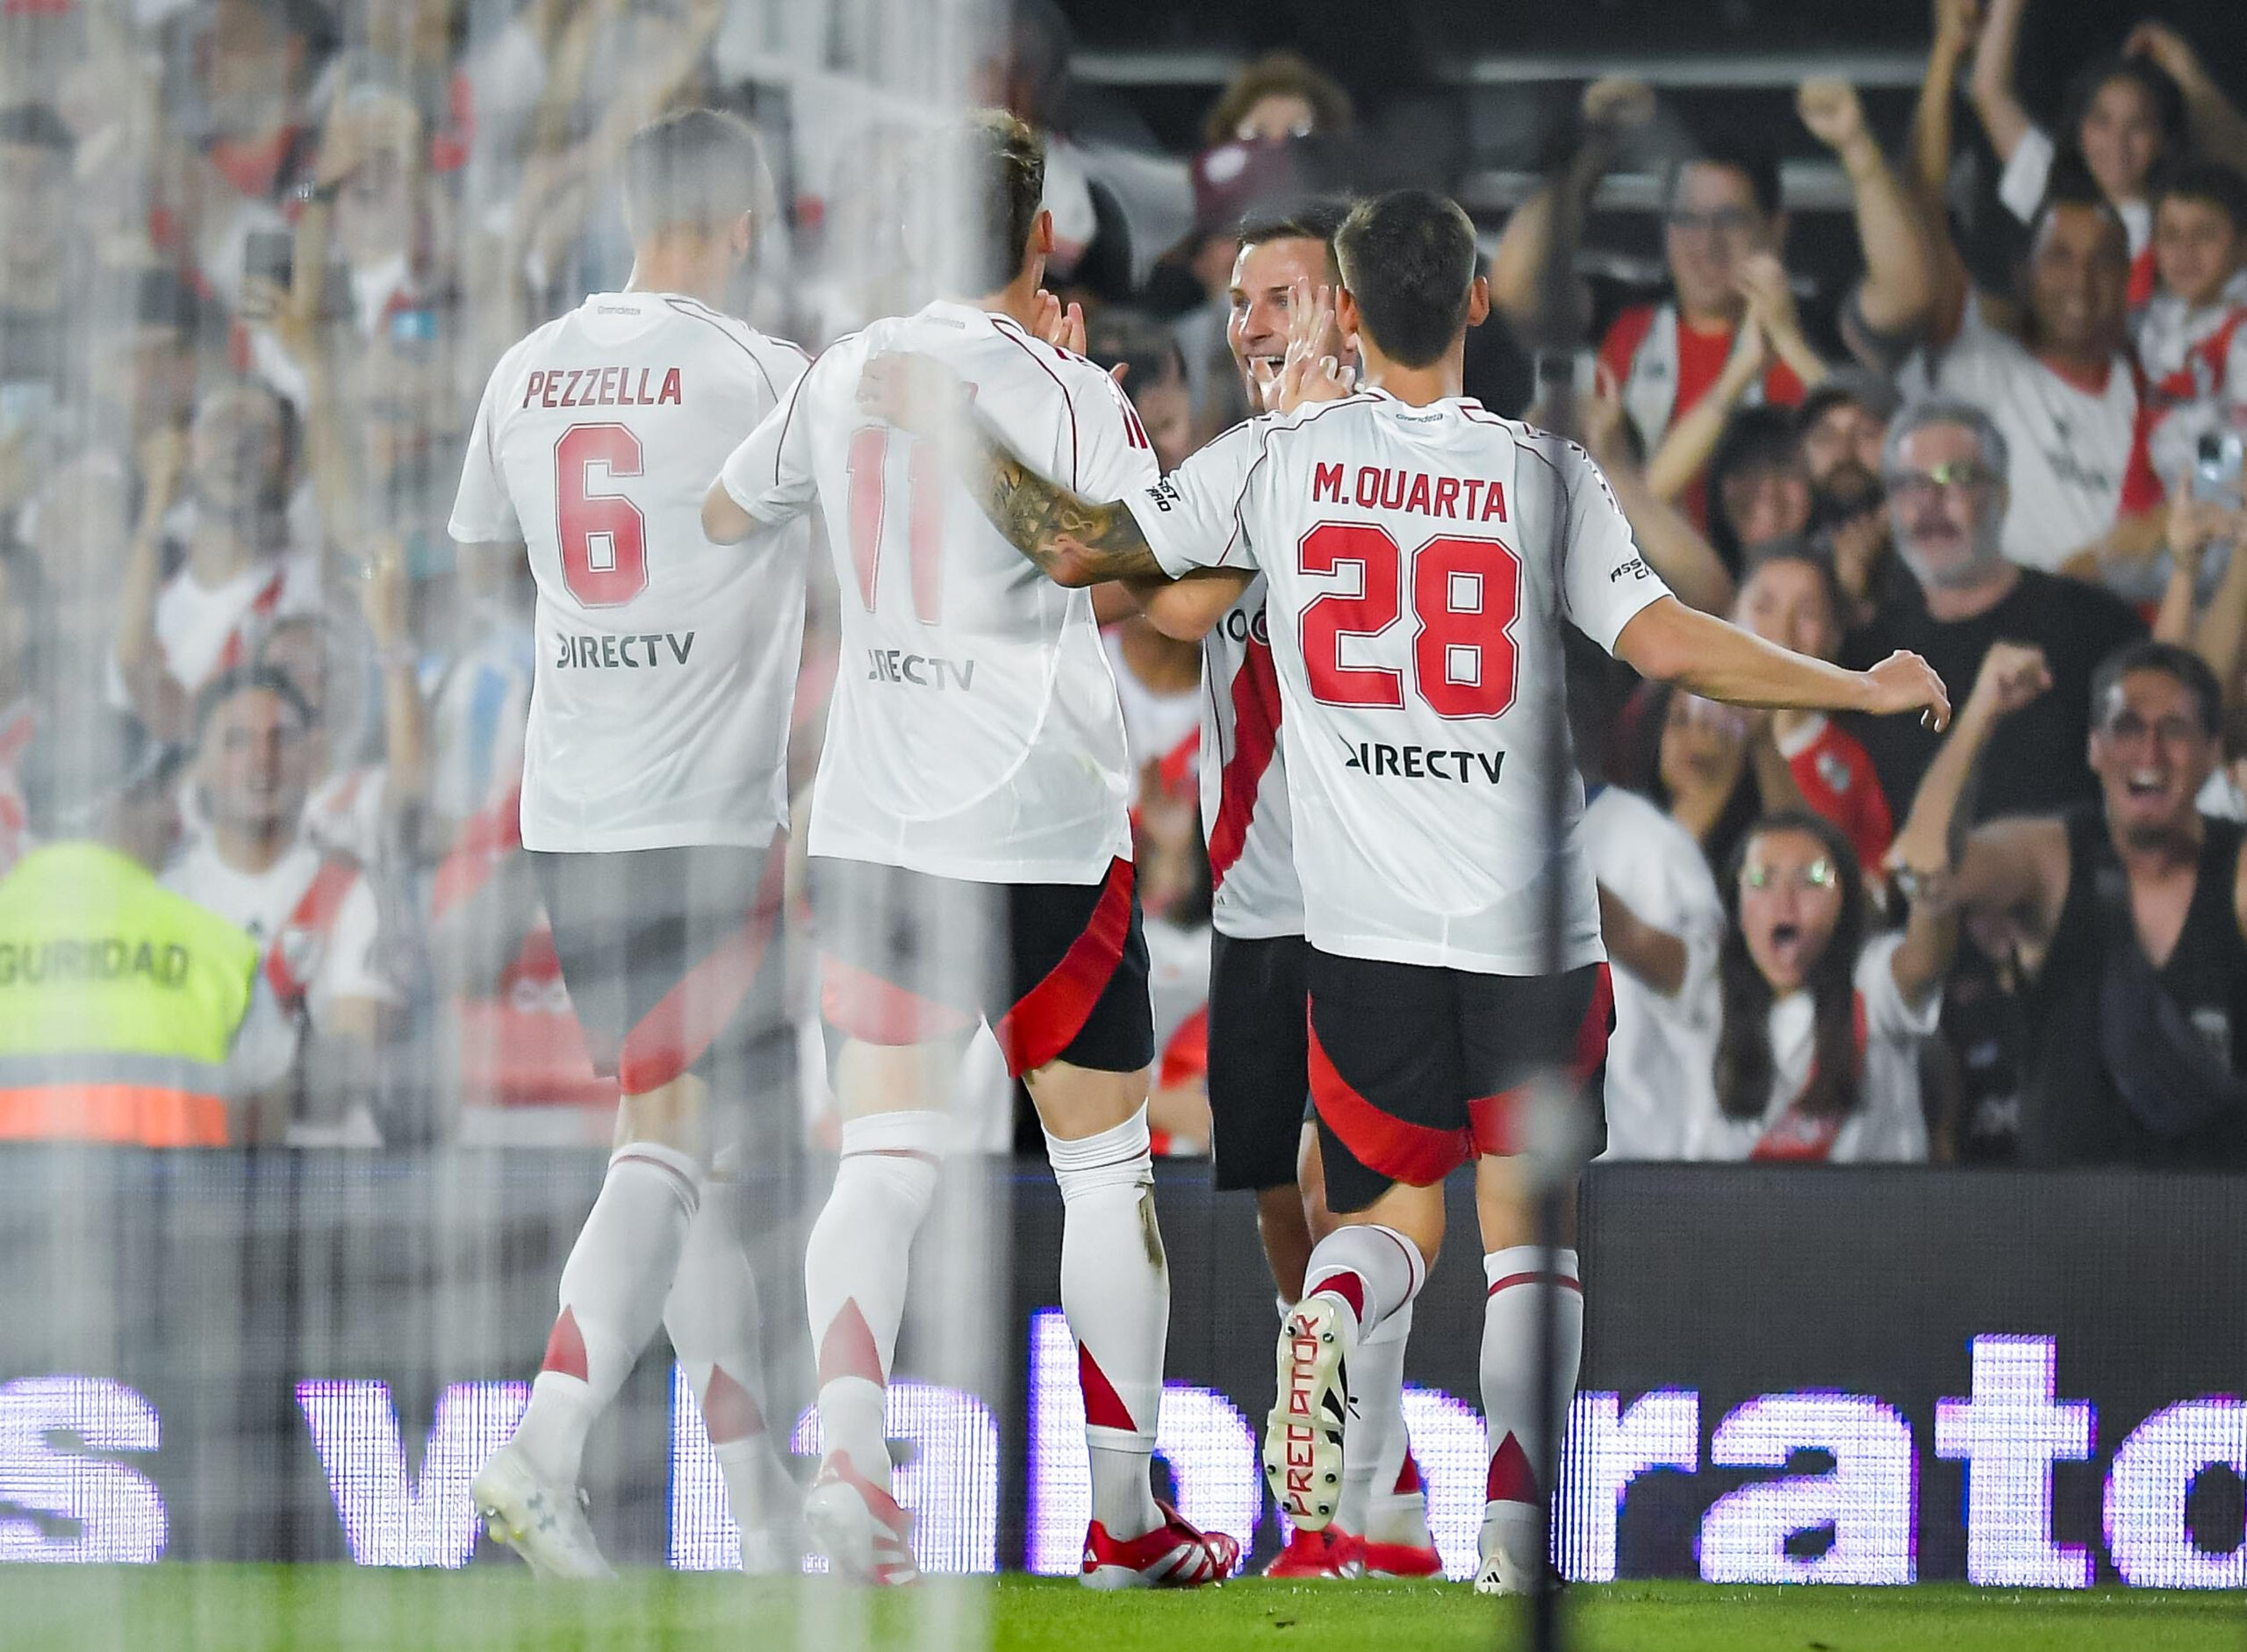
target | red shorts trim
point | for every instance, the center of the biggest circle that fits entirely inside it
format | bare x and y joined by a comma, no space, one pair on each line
861,1005
679,1031
1419,1155
1047,1018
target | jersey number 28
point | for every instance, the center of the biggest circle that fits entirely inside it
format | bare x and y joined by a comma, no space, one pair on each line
604,537
1465,594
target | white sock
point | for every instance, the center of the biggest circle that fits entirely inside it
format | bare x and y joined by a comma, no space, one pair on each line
855,1275
712,1317
613,1288
1400,1514
1377,1371
1513,1491
1115,1294
1371,1270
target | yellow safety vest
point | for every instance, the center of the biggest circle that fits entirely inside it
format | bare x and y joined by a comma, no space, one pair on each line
118,1003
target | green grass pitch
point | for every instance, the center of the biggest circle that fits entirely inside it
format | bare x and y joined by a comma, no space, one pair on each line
187,1608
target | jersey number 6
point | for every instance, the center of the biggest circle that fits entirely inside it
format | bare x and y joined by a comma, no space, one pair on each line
1465,595
604,538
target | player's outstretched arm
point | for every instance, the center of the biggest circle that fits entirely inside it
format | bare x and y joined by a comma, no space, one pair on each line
1716,660
1074,540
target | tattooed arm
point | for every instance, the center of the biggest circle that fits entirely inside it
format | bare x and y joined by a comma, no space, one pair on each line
1075,541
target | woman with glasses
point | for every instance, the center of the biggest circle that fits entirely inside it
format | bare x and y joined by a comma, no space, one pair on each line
1817,1057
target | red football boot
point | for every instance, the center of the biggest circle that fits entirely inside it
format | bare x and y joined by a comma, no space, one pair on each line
1173,1555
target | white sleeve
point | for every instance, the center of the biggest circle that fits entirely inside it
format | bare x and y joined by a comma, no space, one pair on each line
351,964
2020,186
265,1044
1605,583
484,513
1117,461
1192,517
770,475
1886,1013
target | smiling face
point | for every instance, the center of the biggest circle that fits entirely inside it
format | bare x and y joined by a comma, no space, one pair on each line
2078,280
1789,905
2151,755
256,764
1263,280
2196,248
1767,500
1946,506
1788,601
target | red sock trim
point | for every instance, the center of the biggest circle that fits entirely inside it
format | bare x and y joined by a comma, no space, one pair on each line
1562,1280
565,1348
1104,1408
1408,1476
730,1411
1348,1285
1511,1480
847,1348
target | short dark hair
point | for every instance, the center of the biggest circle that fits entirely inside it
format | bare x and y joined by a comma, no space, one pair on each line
1317,218
694,170
1753,162
989,168
1409,258
2222,187
2072,185
2180,665
243,679
35,125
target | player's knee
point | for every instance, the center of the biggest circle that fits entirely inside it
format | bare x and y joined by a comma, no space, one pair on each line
670,1115
1076,1102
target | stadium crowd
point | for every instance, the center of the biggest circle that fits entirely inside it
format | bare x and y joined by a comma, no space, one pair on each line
257,258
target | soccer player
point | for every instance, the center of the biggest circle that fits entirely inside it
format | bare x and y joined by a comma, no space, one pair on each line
654,805
1416,768
1260,1071
970,859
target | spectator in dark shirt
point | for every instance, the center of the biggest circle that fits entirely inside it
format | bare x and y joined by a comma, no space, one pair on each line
2131,912
1946,466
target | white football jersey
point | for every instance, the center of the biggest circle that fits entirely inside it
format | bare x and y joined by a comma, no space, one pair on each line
974,731
2069,448
667,665
1244,779
1419,562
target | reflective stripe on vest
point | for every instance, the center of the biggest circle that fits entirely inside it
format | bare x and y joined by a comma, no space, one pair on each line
119,1003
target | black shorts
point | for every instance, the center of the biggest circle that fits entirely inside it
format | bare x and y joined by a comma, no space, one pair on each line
1415,1071
674,959
1259,1059
1058,970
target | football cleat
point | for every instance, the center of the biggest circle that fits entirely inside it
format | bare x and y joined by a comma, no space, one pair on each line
865,1534
1331,1553
1397,1560
1173,1555
542,1522
1508,1531
1303,1436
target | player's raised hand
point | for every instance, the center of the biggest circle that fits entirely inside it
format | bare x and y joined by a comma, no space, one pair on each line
1905,682
1313,369
1829,107
918,394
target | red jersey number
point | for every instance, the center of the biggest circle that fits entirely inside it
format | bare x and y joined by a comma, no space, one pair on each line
604,538
865,464
1465,595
